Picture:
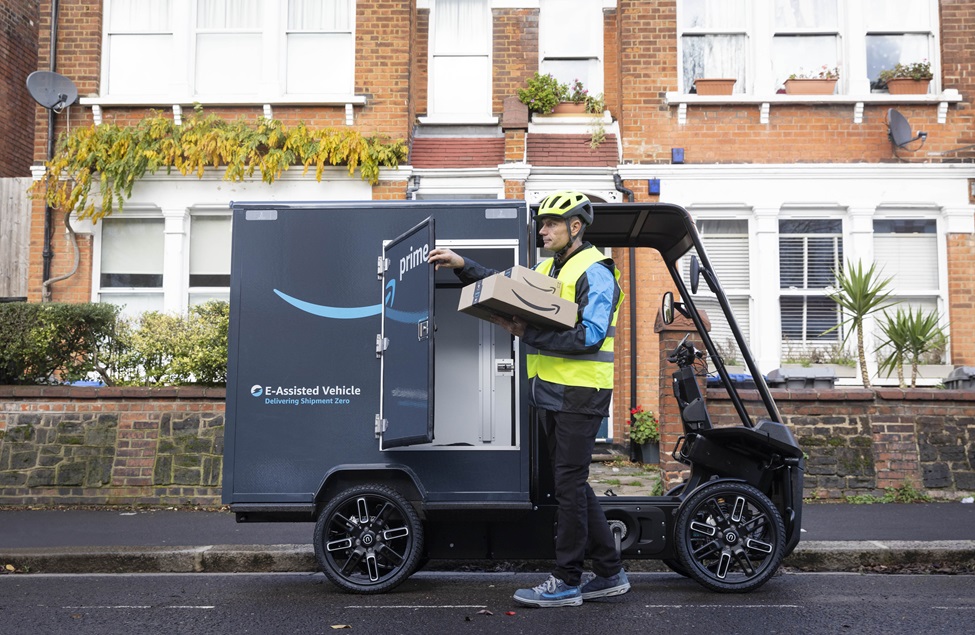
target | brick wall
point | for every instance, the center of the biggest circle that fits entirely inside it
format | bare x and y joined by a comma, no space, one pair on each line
129,446
115,446
860,441
18,59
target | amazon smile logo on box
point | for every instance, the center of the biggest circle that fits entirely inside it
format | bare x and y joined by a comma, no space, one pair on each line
508,295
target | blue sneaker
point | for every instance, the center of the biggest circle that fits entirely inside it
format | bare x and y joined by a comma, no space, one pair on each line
595,586
553,592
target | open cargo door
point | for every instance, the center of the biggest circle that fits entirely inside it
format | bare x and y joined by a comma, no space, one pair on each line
405,345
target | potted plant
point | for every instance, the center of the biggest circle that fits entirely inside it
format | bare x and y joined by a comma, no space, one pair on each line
906,79
645,433
821,82
542,93
714,85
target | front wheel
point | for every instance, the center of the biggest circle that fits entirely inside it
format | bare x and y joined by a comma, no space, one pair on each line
730,537
368,539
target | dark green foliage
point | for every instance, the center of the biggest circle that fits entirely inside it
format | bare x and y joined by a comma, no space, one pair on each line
52,342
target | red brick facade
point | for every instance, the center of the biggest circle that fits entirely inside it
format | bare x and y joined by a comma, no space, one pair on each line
18,59
640,67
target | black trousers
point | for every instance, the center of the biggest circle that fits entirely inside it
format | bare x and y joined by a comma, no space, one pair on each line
582,524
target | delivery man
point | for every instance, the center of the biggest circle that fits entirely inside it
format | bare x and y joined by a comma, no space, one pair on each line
571,385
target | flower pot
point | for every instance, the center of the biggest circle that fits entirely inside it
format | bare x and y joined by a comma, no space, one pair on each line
714,86
810,86
569,108
907,86
650,452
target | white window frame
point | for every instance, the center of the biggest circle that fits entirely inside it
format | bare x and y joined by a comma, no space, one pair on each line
555,22
106,294
740,296
801,346
479,113
269,85
851,30
205,293
907,297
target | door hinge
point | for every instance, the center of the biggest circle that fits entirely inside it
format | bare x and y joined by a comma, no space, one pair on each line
381,425
382,263
382,343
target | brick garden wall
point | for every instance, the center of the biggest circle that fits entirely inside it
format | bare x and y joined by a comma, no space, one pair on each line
136,446
860,441
106,446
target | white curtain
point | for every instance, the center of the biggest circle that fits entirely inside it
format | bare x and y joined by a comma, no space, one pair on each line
210,245
462,27
228,14
806,14
152,16
713,14
319,15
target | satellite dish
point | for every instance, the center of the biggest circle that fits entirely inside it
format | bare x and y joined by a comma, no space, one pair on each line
899,130
52,90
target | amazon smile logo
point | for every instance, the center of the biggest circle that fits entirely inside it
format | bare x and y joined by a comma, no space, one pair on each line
356,312
552,308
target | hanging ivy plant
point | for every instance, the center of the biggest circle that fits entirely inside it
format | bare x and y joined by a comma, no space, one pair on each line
116,156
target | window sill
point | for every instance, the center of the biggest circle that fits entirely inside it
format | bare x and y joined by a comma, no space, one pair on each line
683,101
458,120
267,104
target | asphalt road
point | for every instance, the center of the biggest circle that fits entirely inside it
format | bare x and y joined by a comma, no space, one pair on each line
479,603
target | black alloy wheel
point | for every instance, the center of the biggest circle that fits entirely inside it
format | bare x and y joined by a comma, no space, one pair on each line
730,537
368,539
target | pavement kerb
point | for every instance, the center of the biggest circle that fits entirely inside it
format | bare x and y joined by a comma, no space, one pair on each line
859,556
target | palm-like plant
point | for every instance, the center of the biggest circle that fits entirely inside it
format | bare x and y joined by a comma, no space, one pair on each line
858,294
910,335
895,329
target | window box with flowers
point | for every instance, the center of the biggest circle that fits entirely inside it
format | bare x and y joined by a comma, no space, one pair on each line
545,95
906,79
821,82
645,434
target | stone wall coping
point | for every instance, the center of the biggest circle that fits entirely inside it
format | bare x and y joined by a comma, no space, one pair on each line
113,392
851,394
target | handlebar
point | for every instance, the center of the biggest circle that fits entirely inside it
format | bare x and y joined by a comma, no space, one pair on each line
684,353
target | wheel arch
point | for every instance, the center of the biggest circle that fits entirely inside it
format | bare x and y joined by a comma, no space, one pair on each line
397,477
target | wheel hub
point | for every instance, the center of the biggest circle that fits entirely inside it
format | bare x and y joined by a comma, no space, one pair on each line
368,538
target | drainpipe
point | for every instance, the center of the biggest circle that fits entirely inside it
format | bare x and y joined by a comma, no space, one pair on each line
411,190
628,196
48,252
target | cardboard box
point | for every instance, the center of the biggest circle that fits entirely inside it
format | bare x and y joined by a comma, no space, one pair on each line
532,278
506,296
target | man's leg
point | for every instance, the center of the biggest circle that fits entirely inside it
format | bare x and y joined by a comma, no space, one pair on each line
574,437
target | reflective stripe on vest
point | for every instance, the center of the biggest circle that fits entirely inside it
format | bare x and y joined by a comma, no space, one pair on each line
593,370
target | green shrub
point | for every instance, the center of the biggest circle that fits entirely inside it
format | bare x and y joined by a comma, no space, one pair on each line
163,349
51,342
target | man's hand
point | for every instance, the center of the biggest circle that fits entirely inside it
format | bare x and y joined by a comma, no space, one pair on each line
515,326
445,258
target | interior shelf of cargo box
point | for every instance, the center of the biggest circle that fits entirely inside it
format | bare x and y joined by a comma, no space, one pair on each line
476,368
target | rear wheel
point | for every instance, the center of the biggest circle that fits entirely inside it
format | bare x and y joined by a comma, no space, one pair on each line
368,539
730,537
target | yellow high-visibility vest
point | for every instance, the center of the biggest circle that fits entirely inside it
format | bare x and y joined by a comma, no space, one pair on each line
593,370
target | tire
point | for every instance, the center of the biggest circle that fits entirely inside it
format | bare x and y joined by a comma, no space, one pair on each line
674,565
368,539
730,537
